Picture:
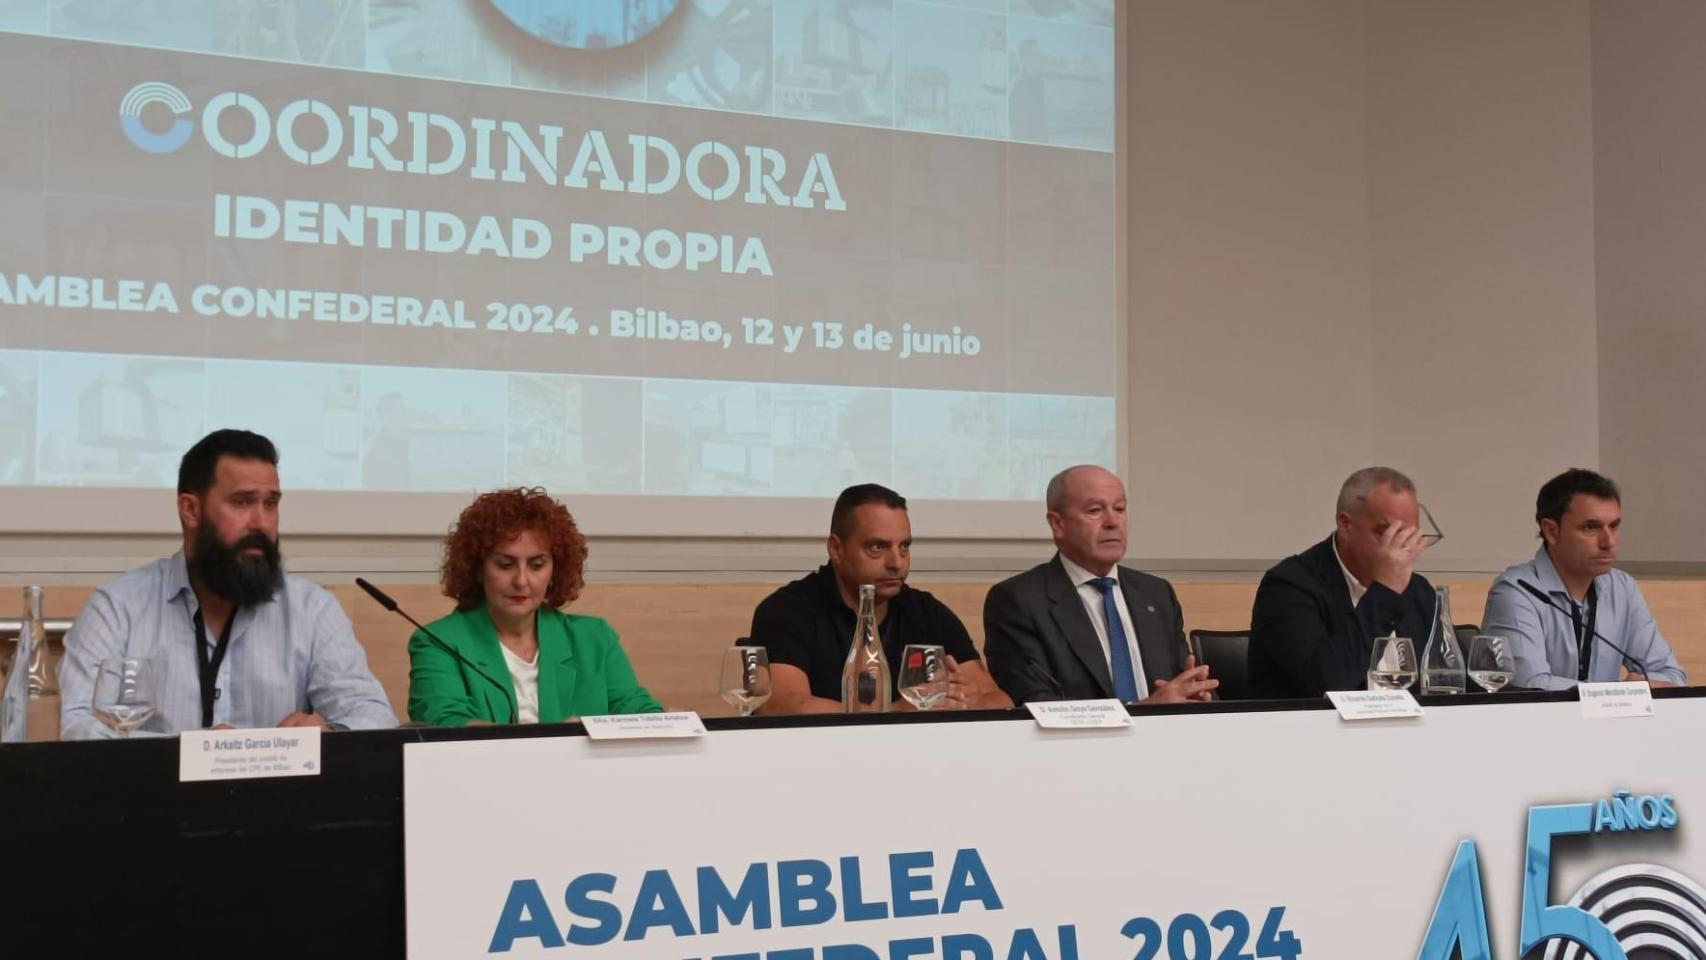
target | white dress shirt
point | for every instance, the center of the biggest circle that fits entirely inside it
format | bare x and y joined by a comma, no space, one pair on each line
1357,589
1092,597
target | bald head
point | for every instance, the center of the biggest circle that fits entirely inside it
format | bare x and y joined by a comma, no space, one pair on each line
1372,500
1087,515
1055,496
1357,488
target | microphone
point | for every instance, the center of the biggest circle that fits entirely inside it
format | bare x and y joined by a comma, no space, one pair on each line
1546,598
385,601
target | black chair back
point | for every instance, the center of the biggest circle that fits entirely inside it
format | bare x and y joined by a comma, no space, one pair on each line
1227,653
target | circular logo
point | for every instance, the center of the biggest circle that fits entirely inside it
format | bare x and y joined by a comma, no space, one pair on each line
130,117
587,24
1648,908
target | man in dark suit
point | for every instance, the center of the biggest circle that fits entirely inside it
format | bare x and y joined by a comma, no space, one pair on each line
1317,613
1081,627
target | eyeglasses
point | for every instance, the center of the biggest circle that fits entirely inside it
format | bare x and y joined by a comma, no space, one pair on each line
1431,533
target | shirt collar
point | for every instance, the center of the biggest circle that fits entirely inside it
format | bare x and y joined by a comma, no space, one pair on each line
1080,576
177,580
1546,576
1357,589
831,589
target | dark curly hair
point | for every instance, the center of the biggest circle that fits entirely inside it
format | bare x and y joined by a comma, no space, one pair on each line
496,518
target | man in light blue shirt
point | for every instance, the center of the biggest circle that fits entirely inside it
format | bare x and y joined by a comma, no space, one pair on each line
1568,615
234,641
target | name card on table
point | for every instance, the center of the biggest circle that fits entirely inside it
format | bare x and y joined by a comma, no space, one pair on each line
1610,701
644,726
248,754
1374,704
1078,714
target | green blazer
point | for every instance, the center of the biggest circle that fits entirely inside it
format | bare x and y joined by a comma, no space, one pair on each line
582,671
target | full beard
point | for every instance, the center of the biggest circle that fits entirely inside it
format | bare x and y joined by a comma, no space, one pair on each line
232,575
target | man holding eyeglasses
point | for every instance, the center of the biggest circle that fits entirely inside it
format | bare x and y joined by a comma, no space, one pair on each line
1317,613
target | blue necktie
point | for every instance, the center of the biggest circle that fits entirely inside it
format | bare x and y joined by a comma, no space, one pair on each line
1119,652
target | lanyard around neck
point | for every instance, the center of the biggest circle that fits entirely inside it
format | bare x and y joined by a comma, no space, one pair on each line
208,663
1584,630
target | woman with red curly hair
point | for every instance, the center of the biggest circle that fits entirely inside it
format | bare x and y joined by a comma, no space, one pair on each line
509,654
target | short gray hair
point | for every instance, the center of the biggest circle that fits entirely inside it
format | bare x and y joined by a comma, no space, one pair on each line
1055,497
1359,485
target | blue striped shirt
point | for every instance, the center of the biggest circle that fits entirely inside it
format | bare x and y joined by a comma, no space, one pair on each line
294,652
1543,636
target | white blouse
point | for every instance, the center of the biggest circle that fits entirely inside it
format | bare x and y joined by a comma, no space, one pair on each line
524,676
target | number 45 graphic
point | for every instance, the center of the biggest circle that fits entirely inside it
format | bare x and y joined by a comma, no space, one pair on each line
1460,917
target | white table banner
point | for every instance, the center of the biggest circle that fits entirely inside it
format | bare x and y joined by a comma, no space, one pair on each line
1229,835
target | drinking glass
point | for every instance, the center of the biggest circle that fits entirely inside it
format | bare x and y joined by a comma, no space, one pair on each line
1490,663
923,675
124,693
745,683
1393,666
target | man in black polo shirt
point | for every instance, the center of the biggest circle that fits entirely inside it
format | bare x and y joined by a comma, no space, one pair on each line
807,625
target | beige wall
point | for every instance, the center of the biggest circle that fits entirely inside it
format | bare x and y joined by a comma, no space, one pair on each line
1249,282
1482,258
1360,232
1650,223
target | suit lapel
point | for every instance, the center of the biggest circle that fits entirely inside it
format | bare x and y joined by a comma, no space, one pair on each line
1327,569
1073,622
1158,662
556,667
487,659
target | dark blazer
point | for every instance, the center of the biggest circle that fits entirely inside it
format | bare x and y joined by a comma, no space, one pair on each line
1040,644
1306,638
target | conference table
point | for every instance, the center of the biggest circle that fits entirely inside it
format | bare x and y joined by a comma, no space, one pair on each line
1236,810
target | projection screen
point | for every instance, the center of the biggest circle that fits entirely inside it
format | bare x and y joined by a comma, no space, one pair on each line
693,266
